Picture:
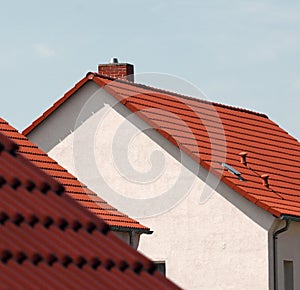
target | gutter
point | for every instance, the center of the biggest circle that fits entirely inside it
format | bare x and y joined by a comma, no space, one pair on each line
288,219
131,231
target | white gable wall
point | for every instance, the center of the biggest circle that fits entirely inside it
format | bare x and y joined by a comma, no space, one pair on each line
221,243
289,250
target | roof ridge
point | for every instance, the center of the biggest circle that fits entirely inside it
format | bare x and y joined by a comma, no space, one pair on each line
180,95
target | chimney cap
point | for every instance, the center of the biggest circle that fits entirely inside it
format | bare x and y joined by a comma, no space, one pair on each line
114,60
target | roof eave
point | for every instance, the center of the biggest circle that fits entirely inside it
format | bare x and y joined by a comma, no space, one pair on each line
290,217
127,229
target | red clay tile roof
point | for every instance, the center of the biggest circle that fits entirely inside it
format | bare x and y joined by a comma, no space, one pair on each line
271,150
73,187
49,241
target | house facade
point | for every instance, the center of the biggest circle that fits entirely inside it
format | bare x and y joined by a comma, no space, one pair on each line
216,184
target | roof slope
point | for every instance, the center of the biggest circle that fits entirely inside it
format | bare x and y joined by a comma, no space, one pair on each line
213,134
73,187
49,241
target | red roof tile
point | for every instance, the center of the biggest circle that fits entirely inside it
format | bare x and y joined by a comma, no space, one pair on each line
270,149
73,187
49,241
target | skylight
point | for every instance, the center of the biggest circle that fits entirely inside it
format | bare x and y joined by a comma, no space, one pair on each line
233,171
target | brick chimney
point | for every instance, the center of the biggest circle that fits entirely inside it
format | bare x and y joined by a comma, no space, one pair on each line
118,70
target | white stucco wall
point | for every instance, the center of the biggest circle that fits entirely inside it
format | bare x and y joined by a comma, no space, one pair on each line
289,250
221,243
125,237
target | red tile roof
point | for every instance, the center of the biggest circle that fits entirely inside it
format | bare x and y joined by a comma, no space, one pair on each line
73,187
198,127
49,241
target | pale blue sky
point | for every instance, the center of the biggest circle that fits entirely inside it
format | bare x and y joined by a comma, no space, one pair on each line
242,53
